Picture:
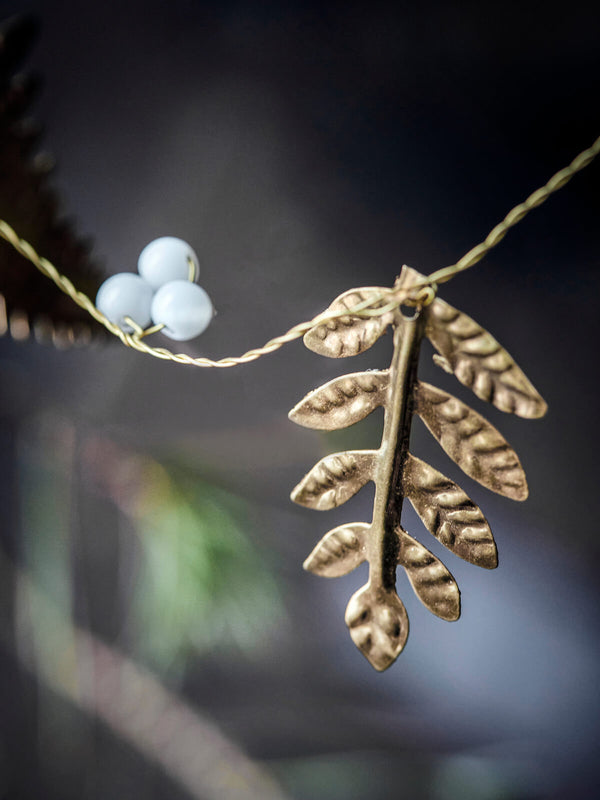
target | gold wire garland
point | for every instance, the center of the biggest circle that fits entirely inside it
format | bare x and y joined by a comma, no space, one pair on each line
421,293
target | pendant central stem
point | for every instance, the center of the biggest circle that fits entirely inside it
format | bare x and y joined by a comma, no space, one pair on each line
393,451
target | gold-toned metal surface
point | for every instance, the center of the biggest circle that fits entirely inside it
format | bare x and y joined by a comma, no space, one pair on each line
375,615
340,551
432,582
349,336
378,624
343,401
448,513
335,479
480,363
471,441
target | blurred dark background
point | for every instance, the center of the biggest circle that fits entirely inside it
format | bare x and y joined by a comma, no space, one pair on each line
160,639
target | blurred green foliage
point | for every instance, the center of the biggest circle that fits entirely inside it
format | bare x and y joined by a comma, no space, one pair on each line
202,579
204,583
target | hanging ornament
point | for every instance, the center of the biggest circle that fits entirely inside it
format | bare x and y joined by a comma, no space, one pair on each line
375,615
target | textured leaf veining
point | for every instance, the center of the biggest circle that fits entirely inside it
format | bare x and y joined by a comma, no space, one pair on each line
349,335
335,479
449,514
342,402
470,440
480,363
432,582
339,551
378,625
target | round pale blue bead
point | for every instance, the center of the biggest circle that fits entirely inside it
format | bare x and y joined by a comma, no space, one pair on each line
183,308
167,259
125,295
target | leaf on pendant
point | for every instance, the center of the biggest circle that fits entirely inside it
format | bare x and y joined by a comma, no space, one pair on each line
342,402
433,584
349,335
335,479
480,363
339,551
378,625
449,514
470,440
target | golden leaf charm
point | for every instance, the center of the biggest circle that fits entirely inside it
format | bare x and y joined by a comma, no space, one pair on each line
448,514
335,479
433,584
339,551
349,336
342,402
378,624
375,615
480,363
470,440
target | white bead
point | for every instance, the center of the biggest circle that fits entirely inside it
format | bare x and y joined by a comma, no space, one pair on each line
167,259
183,308
125,295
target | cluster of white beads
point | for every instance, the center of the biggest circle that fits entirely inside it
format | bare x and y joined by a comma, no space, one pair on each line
164,292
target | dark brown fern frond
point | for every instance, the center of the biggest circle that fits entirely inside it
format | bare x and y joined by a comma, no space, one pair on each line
29,303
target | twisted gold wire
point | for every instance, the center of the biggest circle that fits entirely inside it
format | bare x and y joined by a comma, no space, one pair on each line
516,214
421,293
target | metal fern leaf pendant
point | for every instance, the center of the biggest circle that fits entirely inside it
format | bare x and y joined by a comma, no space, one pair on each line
375,615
